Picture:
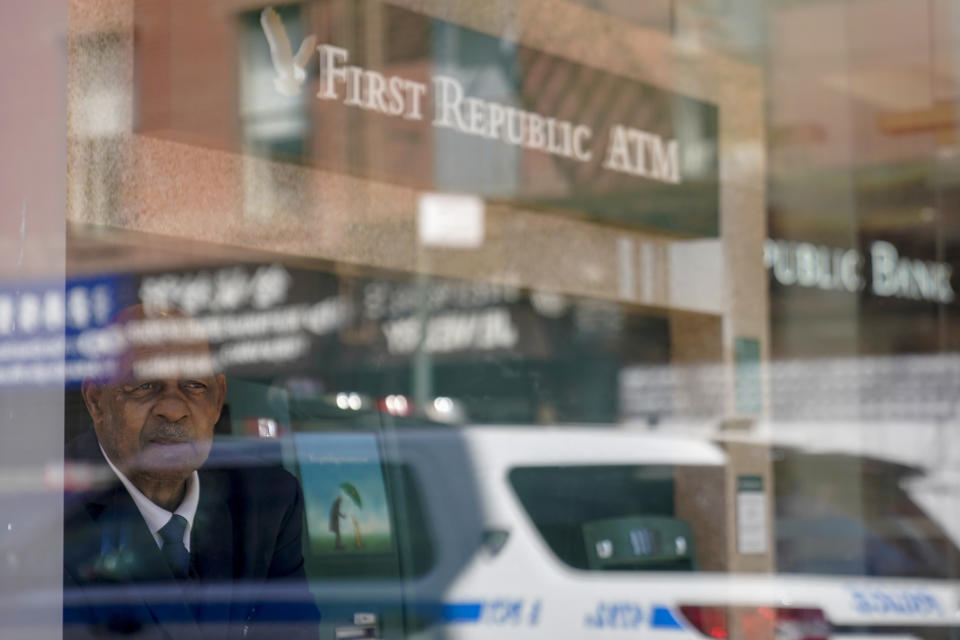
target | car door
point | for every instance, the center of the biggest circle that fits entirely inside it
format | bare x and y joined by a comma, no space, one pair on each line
365,530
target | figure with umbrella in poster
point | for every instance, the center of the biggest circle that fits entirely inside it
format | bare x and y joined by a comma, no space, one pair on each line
336,514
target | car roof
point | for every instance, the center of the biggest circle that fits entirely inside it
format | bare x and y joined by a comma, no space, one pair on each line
574,445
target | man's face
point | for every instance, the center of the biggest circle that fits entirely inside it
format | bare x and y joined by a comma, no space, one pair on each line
161,426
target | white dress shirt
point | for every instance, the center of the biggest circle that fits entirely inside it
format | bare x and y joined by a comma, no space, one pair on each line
156,516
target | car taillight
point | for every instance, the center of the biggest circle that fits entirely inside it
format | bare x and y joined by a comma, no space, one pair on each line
710,621
758,623
396,405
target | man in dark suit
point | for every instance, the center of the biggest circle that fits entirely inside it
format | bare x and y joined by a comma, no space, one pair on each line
169,542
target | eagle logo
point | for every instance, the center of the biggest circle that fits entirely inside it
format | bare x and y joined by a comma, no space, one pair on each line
291,69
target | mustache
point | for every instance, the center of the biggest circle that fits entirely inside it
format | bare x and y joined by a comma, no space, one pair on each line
177,431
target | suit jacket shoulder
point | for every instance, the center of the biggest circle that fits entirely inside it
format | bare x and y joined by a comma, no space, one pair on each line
247,530
264,505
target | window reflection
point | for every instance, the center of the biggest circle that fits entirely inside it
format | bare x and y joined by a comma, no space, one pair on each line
418,319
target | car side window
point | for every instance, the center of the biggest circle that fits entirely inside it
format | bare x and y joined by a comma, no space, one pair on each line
607,517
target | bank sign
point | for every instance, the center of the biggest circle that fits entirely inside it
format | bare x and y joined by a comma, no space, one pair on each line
883,271
385,93
645,154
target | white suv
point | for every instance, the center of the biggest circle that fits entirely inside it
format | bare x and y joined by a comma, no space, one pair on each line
561,532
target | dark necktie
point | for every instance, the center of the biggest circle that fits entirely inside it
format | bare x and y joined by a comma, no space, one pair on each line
173,549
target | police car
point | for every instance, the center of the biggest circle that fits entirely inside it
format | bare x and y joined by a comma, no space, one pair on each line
493,531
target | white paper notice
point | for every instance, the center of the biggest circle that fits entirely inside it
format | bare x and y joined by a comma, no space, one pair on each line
450,220
751,515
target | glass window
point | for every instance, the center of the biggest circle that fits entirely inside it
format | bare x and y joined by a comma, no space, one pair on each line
541,318
586,514
876,531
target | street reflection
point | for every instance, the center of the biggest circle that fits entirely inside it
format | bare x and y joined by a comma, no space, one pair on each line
536,318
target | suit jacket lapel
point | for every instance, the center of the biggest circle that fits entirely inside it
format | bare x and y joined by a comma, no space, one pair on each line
150,576
212,544
118,547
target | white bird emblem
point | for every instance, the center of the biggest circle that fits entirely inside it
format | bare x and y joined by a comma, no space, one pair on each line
291,69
